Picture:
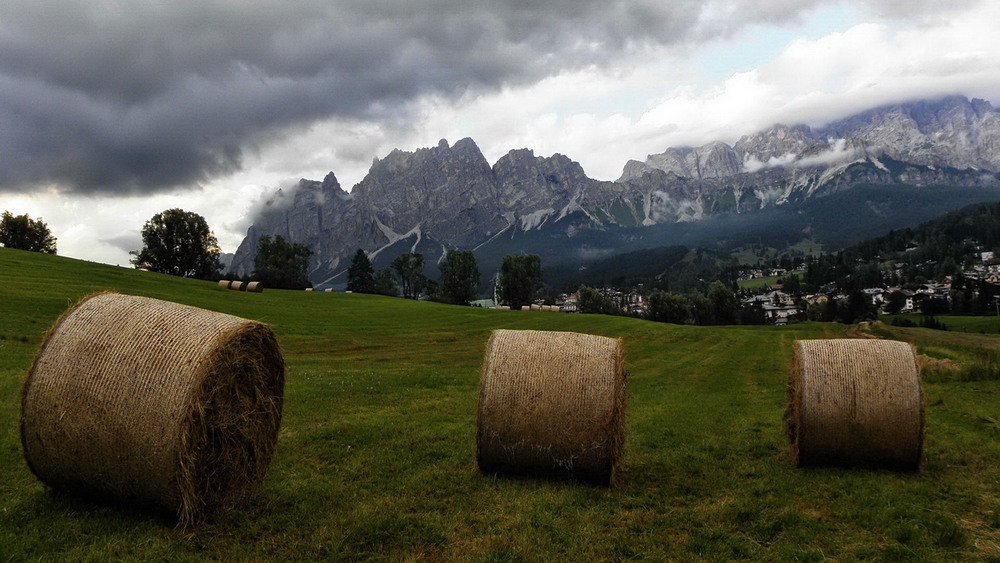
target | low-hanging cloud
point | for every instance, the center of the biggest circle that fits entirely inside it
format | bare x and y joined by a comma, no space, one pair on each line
115,96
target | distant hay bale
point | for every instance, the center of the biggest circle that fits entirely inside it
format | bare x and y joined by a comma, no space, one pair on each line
309,289
536,307
255,287
525,307
238,286
329,290
224,284
855,402
505,307
143,400
551,404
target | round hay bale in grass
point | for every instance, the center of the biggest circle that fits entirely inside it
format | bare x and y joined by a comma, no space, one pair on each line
330,290
855,402
143,400
551,404
224,284
535,307
238,286
255,287
309,289
525,307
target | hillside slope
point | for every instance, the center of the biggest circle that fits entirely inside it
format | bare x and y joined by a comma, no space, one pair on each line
376,453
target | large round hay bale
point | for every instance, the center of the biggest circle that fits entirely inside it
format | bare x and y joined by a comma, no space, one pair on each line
330,290
855,402
224,284
238,286
143,400
551,404
255,287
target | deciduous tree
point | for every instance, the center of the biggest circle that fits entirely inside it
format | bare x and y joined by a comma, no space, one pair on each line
459,279
24,233
409,268
281,265
179,243
519,280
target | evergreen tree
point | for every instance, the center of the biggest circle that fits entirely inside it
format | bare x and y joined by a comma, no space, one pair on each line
360,275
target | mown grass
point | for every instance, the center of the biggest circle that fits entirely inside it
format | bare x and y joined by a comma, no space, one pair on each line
376,454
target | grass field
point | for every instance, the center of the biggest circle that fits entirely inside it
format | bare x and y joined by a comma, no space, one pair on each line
376,454
758,283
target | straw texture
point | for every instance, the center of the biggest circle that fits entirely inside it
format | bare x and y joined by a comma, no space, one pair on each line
255,287
224,284
855,402
551,404
238,286
144,400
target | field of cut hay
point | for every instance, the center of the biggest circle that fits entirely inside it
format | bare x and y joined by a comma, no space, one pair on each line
376,456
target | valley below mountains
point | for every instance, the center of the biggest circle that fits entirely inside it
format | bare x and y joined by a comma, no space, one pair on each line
857,177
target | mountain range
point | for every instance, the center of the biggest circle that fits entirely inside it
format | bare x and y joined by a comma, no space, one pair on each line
915,160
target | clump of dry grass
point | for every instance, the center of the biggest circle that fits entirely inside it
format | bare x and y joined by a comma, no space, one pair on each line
145,400
552,404
855,402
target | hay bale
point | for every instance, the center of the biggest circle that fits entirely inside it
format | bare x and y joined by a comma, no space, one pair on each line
551,404
855,402
255,287
309,289
224,284
143,400
535,307
329,290
525,307
238,286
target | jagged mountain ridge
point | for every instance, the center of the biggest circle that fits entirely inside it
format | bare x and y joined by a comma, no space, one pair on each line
448,196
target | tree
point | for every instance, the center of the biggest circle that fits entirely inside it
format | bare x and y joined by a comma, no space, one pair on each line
589,300
519,280
385,283
667,308
723,304
360,275
24,233
459,281
409,268
178,243
281,265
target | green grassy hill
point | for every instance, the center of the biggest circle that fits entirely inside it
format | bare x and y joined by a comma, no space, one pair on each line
376,453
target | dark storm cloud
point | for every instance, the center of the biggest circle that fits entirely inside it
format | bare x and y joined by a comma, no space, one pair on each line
115,96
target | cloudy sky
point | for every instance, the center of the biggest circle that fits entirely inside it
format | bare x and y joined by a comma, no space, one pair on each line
113,110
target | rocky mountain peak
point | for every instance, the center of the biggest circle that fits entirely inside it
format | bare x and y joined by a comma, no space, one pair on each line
446,196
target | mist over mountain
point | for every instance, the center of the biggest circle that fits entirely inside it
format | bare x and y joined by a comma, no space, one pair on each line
937,155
